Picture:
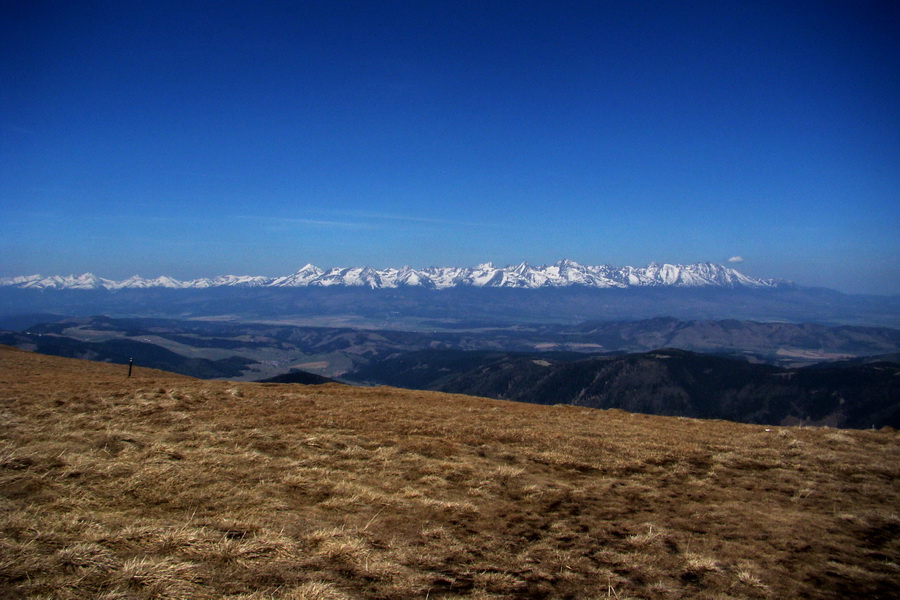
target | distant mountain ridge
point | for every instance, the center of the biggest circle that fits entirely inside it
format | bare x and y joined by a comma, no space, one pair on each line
565,273
662,382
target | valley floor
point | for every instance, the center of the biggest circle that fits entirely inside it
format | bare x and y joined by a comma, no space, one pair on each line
162,486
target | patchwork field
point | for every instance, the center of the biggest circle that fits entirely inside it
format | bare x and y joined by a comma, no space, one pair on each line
163,486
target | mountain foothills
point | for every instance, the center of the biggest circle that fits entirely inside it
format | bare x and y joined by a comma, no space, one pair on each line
162,486
271,348
561,274
754,376
662,382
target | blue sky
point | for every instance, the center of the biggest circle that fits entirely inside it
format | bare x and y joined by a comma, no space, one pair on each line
203,138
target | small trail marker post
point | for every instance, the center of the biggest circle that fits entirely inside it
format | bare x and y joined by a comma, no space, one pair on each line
130,364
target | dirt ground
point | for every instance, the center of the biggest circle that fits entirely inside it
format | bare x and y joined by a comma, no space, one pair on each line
161,486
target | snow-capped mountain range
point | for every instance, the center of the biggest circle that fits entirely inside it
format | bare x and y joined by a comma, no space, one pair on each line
564,273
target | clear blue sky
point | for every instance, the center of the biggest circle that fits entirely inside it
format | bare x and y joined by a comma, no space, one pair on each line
203,138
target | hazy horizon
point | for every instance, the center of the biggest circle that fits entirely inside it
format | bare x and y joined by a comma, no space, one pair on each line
202,139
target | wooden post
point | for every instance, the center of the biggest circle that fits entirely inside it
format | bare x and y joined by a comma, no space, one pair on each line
130,363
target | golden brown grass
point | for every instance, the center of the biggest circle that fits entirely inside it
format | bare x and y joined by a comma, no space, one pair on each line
162,486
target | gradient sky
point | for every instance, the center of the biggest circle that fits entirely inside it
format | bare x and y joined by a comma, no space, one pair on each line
202,138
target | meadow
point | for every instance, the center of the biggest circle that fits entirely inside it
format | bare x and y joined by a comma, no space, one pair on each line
163,486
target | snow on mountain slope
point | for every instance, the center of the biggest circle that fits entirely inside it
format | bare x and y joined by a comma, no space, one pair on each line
85,281
224,280
301,278
561,274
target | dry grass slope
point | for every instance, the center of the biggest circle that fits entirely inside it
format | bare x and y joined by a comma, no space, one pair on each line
161,486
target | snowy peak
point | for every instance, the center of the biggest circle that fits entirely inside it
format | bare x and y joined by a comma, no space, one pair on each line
564,273
301,278
85,281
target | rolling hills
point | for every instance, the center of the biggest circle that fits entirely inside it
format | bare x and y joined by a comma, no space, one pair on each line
123,350
600,365
255,350
163,486
662,382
